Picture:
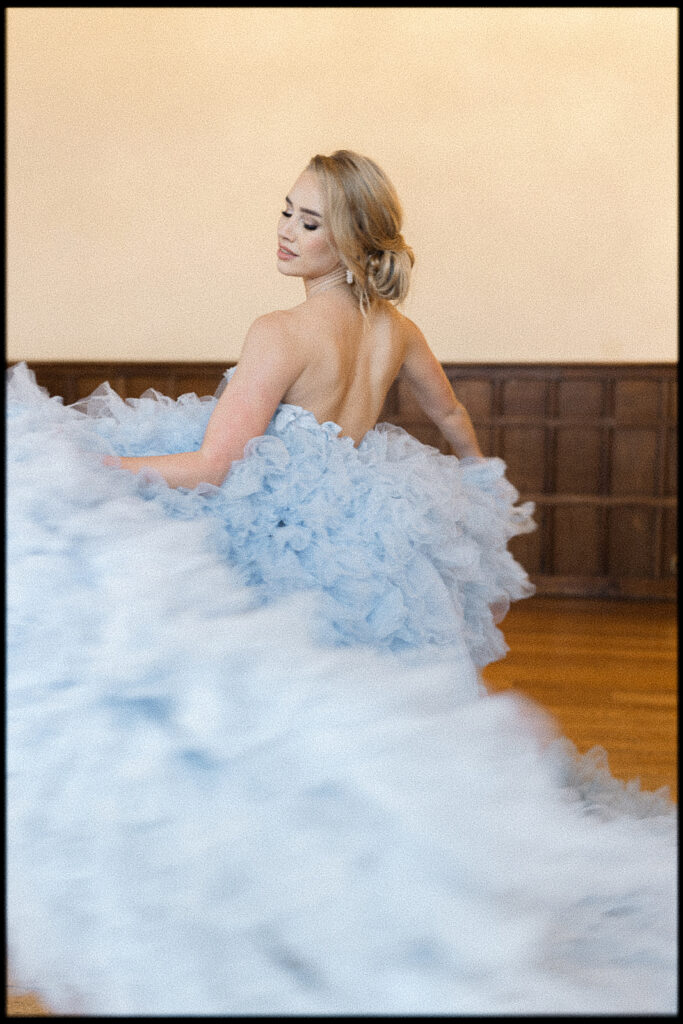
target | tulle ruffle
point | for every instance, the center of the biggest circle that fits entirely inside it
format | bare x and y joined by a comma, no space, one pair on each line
210,812
406,545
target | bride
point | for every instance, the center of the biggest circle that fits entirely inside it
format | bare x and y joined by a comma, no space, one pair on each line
445,571
338,352
251,767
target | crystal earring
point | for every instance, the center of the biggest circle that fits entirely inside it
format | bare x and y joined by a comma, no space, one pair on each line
349,277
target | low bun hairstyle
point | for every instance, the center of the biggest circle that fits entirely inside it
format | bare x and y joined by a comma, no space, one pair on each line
365,218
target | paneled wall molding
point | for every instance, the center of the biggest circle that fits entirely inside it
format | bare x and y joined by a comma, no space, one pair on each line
594,445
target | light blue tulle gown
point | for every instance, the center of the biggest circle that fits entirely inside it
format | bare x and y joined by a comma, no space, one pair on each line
251,766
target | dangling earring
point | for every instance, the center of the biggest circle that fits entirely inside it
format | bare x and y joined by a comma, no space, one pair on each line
349,277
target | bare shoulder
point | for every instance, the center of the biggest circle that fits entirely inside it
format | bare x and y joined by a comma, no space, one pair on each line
271,332
275,325
299,328
420,366
270,351
413,342
408,328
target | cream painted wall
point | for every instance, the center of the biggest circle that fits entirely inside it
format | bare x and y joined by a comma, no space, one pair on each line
534,149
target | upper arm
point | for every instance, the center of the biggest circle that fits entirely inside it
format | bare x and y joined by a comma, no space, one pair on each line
269,364
425,375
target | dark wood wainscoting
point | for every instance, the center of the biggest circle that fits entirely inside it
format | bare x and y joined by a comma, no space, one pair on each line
593,445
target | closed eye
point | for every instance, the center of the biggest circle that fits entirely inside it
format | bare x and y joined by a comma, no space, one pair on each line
309,227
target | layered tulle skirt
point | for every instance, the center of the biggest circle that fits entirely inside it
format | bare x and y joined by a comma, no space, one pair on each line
251,767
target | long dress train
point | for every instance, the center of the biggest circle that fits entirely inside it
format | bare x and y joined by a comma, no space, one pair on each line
251,766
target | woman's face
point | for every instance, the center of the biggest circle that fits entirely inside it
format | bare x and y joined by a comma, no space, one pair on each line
305,247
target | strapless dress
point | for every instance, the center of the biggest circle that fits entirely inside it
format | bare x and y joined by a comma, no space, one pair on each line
251,766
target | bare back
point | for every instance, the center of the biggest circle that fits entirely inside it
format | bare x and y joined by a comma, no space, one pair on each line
323,356
350,361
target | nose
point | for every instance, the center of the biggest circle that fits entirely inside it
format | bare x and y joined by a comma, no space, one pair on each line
285,229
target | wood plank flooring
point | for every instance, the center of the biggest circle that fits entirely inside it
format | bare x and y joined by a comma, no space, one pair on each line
606,670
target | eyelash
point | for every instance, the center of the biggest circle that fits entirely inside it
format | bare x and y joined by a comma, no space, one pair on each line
309,227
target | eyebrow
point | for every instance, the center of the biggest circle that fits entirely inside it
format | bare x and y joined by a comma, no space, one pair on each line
313,213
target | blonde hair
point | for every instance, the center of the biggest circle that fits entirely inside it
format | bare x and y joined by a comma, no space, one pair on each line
365,219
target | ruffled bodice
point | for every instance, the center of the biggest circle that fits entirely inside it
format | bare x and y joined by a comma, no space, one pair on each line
406,544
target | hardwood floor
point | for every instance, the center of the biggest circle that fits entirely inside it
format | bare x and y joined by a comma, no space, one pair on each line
607,671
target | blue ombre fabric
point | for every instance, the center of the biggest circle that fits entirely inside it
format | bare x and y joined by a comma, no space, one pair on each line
406,545
251,766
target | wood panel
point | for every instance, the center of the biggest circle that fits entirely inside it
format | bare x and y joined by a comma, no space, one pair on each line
578,540
637,401
632,541
522,397
578,460
671,462
523,449
670,543
530,548
634,461
580,399
593,445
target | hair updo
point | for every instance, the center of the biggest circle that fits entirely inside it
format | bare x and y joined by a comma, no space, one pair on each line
365,218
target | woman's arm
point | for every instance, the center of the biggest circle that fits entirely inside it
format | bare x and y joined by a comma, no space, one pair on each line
432,389
269,364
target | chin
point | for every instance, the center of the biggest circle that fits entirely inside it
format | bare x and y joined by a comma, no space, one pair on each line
287,271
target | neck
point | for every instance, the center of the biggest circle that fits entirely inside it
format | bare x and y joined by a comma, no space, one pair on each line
321,284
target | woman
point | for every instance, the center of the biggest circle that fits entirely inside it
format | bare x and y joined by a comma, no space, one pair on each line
431,563
340,233
214,810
